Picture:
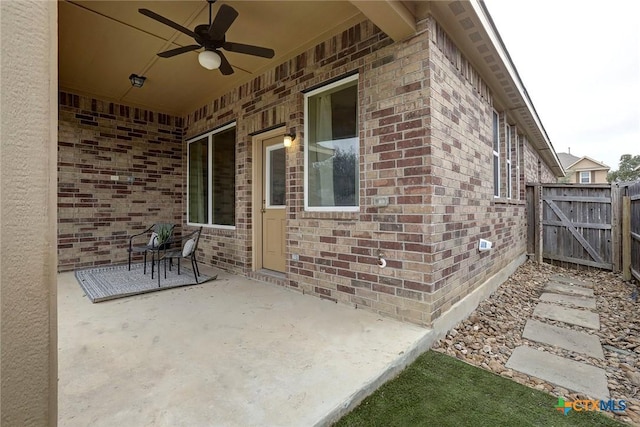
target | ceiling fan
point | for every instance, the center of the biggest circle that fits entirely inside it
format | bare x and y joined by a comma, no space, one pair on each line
212,38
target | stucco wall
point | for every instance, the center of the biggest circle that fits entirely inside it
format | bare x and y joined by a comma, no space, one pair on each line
28,363
596,176
600,177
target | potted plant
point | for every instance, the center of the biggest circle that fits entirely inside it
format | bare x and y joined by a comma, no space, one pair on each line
164,233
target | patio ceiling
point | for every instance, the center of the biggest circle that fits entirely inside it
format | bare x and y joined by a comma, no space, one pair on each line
100,43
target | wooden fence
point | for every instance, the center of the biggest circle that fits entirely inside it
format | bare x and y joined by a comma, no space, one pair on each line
593,225
631,231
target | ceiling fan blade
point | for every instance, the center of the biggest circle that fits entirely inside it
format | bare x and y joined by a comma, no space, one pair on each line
249,49
225,67
162,19
178,51
225,17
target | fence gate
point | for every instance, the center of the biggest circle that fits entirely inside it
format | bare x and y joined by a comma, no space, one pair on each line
632,206
577,222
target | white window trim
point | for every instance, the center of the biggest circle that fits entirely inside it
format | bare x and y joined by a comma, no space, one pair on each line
496,154
517,166
307,208
588,177
208,135
267,180
508,160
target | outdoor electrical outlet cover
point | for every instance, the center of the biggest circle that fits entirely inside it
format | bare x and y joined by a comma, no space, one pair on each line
484,245
381,201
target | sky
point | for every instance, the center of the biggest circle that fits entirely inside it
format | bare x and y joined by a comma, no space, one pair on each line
579,61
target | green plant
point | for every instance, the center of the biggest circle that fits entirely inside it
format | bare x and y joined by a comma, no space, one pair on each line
164,233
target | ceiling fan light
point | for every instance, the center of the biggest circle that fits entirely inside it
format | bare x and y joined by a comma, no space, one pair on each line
209,59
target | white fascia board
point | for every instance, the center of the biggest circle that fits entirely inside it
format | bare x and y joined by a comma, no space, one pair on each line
487,23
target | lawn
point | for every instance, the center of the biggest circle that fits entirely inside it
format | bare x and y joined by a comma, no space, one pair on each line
438,390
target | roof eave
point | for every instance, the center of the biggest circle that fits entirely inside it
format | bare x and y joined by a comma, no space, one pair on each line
515,83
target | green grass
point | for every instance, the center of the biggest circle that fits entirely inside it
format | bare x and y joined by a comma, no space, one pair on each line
438,390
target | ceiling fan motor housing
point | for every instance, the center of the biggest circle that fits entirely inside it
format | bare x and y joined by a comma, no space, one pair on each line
204,39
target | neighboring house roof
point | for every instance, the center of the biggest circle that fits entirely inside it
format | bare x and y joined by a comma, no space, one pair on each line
587,163
567,159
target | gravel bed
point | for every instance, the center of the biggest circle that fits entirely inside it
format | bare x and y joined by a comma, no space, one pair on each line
487,338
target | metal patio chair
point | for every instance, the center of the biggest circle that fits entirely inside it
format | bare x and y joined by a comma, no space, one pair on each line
154,236
185,250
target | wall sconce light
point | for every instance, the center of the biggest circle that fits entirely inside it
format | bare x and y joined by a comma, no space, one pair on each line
136,80
288,139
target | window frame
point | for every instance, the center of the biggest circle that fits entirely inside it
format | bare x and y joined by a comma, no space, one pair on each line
517,150
508,160
267,180
496,154
209,135
588,177
307,96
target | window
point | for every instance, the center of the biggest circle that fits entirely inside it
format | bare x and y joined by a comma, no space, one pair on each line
496,155
517,152
332,147
508,161
211,194
585,177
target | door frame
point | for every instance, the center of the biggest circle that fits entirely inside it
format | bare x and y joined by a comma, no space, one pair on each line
256,190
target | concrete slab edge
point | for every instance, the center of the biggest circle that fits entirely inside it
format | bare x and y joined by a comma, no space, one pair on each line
463,308
392,371
457,313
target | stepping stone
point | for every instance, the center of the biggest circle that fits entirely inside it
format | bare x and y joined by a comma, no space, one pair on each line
578,301
573,316
571,280
575,376
565,288
618,350
568,339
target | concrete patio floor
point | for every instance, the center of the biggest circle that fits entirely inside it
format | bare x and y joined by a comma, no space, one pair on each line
233,352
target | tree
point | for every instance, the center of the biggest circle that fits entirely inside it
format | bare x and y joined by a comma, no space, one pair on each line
628,169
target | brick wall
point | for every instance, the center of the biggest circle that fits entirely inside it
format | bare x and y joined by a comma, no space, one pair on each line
425,120
98,140
425,136
546,175
532,171
272,99
463,207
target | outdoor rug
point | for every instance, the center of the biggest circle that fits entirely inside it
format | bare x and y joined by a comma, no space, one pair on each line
106,283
